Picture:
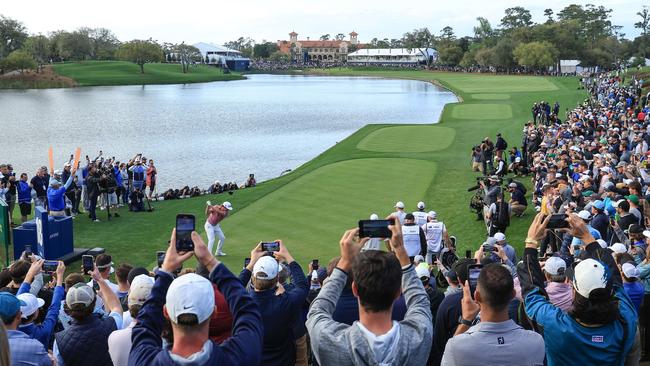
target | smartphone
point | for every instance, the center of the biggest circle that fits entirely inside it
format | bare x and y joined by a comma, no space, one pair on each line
473,271
558,221
95,286
160,258
468,254
314,264
247,261
50,266
184,228
87,262
375,228
271,246
28,250
488,248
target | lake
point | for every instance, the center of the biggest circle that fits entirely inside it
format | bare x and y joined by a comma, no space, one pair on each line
199,133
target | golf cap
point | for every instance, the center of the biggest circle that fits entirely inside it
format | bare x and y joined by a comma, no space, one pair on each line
512,185
140,290
635,229
630,271
618,248
54,182
418,259
633,198
421,205
80,293
9,306
227,205
422,271
602,243
399,204
190,294
432,214
32,303
589,275
499,237
598,205
266,268
494,178
374,217
621,164
584,214
555,266
517,159
646,233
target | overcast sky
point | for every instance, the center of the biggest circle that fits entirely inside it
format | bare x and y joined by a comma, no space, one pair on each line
221,21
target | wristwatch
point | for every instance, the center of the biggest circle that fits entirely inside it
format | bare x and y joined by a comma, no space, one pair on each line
465,322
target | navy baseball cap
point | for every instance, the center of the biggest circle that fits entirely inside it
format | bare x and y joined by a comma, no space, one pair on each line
9,306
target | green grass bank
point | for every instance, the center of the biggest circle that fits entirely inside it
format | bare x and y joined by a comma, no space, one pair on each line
96,73
367,172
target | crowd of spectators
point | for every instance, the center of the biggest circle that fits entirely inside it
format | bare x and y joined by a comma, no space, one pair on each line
104,183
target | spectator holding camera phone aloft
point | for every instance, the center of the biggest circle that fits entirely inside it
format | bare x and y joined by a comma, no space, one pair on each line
378,280
278,311
188,302
600,328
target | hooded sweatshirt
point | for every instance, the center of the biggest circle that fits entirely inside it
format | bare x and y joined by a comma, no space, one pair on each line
383,346
560,295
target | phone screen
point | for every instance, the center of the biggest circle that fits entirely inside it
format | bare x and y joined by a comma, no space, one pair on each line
160,258
474,272
247,261
468,254
28,250
184,228
50,266
87,263
272,246
375,228
314,264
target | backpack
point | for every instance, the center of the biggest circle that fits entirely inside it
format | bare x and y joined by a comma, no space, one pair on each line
503,216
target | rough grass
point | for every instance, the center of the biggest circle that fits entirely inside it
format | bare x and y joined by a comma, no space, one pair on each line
94,73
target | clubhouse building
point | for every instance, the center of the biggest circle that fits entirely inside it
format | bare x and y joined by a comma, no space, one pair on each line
392,56
314,51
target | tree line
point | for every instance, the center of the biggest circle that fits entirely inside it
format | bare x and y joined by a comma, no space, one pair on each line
584,33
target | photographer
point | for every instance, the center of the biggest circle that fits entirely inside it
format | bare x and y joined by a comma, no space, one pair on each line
477,159
498,215
518,203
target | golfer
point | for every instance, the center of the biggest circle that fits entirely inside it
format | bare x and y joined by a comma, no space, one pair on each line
215,215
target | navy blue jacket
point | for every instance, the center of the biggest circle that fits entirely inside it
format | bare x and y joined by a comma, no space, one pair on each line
243,348
278,315
347,308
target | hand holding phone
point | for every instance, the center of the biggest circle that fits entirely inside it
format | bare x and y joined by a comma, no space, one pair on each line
375,228
473,272
185,225
87,264
270,246
160,258
558,221
50,266
314,264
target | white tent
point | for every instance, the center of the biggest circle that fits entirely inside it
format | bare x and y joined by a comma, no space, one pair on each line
392,55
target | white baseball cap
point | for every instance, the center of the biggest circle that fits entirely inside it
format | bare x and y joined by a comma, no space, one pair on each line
618,248
374,217
499,236
589,275
629,270
603,244
190,294
432,214
646,233
584,214
517,159
422,271
80,293
418,258
140,289
227,205
420,205
555,266
266,265
399,204
32,303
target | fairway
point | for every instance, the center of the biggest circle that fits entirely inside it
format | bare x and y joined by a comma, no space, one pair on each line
482,111
408,139
493,96
499,83
92,73
311,213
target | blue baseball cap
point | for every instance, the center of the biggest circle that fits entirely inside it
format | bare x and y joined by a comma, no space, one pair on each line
599,205
9,306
